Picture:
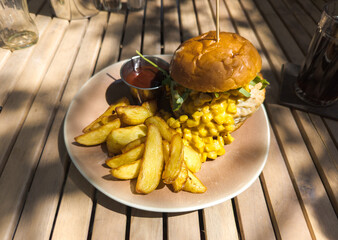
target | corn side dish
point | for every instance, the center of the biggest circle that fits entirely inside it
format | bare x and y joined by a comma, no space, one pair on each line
208,121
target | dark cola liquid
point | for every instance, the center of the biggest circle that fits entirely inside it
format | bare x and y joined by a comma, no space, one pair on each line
317,82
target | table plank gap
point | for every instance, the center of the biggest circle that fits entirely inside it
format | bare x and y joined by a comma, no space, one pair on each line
171,31
37,216
110,48
219,221
179,229
323,151
75,210
152,28
21,163
145,225
133,35
205,16
110,219
253,212
307,183
188,20
285,210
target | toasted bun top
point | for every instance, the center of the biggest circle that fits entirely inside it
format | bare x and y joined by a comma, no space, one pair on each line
203,64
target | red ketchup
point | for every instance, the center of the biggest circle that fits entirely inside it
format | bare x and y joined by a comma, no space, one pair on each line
145,77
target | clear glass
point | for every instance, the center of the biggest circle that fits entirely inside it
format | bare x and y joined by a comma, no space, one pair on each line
75,9
135,5
111,5
17,28
317,82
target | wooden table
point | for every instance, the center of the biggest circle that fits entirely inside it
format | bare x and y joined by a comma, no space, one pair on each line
42,194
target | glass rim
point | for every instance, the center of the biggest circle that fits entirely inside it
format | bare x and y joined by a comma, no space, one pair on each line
327,13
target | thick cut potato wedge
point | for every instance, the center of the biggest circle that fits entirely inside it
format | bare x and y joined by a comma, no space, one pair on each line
166,150
133,144
127,157
192,159
105,117
127,171
165,131
152,162
133,115
193,184
120,137
151,106
98,135
173,166
179,182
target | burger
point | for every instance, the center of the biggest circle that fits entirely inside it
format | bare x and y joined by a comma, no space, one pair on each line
207,73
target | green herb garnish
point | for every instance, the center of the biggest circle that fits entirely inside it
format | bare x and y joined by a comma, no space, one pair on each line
253,82
177,98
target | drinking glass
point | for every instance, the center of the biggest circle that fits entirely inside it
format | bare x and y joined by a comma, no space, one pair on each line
17,28
135,5
317,82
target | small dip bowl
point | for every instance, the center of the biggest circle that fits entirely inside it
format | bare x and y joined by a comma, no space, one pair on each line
143,79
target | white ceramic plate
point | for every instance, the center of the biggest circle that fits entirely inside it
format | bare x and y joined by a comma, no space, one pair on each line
225,177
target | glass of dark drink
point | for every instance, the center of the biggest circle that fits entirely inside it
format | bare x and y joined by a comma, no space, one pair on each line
317,82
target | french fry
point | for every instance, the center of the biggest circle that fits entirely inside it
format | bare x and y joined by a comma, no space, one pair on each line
127,157
179,182
120,137
192,159
166,133
173,166
133,144
127,171
109,111
133,115
98,135
151,106
193,184
152,163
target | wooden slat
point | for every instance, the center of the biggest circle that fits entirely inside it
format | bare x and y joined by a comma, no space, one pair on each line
300,35
82,70
23,159
333,128
276,28
300,160
225,23
309,7
219,222
205,17
303,18
152,28
110,48
253,212
323,151
39,211
171,28
318,209
110,219
133,35
4,55
286,212
183,226
188,20
145,225
75,208
16,63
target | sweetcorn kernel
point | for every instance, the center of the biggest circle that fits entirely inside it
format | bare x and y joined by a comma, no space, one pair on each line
220,151
202,131
220,128
187,136
183,118
197,115
192,123
220,140
204,157
231,108
220,118
213,131
173,123
179,130
228,139
207,117
212,155
229,128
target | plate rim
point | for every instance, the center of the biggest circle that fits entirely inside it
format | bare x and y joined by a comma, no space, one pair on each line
159,209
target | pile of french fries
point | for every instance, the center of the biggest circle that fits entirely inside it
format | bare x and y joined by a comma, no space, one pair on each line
141,145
